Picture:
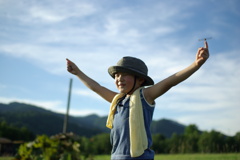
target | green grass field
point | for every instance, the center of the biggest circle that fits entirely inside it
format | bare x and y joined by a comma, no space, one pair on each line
230,156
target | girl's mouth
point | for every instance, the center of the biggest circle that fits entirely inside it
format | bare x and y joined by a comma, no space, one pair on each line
121,85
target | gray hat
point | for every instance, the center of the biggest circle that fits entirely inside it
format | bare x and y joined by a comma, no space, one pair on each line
133,66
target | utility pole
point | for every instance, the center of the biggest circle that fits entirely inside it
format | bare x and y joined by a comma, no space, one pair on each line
68,106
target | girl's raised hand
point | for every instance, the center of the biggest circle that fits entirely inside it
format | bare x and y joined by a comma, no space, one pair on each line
71,67
202,54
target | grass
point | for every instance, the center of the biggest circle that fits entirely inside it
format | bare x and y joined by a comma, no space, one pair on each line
229,156
232,156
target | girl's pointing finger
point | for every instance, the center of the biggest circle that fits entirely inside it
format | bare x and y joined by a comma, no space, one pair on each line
205,44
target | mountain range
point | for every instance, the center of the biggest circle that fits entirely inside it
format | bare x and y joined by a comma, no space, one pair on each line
41,121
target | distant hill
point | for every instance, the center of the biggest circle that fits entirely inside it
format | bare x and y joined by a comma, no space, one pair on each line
42,121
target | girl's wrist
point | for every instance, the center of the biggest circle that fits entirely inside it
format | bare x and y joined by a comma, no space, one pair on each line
196,65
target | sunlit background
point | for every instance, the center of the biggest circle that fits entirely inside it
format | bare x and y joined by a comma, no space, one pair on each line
37,36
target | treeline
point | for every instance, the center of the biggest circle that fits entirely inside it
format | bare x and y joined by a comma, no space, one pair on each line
14,133
192,141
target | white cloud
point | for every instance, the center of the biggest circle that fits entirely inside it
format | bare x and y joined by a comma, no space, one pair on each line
86,93
116,31
46,15
2,86
225,121
50,105
84,112
47,11
56,106
59,12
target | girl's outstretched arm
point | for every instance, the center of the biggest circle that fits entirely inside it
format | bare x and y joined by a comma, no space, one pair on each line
153,92
90,83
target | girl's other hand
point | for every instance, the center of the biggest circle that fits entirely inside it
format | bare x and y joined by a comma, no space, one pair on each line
71,67
202,54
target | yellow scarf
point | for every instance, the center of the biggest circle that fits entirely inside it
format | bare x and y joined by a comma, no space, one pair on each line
138,136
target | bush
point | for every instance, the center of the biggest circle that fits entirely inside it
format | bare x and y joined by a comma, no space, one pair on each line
58,147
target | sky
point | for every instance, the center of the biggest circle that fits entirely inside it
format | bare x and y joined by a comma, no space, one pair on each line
36,37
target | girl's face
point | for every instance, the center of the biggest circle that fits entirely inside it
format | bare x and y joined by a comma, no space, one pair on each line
124,82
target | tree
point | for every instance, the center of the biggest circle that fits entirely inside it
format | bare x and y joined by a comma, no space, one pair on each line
191,137
210,142
14,133
175,143
100,144
236,147
159,143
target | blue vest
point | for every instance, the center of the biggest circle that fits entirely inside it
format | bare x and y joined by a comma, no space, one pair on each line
120,138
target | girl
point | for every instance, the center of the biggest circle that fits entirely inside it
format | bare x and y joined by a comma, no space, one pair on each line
132,108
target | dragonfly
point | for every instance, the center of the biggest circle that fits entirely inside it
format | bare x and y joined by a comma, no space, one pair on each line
204,39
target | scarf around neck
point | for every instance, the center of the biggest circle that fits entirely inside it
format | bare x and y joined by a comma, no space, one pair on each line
138,136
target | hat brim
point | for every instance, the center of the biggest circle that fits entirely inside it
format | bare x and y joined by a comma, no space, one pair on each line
118,69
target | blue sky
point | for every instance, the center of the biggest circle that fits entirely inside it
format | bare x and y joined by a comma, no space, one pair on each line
37,36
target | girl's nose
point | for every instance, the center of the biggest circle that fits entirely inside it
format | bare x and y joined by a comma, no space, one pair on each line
120,78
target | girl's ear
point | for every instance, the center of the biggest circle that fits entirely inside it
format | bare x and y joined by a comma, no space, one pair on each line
141,80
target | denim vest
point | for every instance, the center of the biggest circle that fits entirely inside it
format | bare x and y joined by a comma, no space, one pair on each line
120,138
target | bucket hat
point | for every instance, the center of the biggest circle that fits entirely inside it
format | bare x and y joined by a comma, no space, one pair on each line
133,66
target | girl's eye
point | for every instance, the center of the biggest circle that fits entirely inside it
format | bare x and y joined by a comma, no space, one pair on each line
121,74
